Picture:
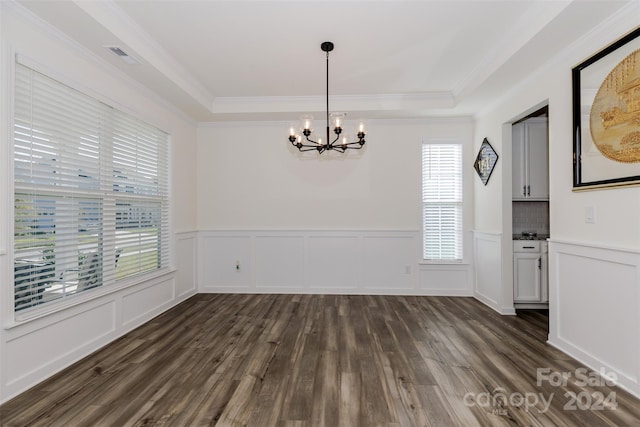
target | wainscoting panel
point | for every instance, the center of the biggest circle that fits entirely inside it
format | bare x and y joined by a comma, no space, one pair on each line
488,269
388,262
38,347
594,308
279,261
37,351
446,279
331,262
225,262
186,251
145,301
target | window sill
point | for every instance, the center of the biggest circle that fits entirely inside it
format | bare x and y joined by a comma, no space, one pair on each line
443,262
75,301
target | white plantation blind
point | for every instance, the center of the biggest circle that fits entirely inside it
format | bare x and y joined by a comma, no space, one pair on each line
442,201
91,192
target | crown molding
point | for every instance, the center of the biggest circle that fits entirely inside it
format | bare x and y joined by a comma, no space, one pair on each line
122,26
55,34
284,124
382,102
522,32
610,29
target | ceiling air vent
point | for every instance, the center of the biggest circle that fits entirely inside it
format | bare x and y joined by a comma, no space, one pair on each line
123,55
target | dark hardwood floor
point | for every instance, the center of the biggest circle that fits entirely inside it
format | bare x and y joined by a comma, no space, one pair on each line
313,360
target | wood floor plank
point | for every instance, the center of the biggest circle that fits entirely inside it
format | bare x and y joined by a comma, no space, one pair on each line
350,408
407,405
376,401
325,408
321,360
238,409
435,406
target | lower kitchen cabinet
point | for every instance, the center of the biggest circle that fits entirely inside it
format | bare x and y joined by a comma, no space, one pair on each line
530,281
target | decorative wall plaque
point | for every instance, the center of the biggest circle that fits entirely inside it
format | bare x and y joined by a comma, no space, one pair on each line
485,161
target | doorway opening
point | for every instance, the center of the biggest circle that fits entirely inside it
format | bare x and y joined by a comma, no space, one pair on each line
530,215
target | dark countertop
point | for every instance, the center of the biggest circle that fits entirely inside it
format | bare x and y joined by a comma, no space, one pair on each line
537,237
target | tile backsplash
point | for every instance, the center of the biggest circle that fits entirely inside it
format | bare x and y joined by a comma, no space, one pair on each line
531,216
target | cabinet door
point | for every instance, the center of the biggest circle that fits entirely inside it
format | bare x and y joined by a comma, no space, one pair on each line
519,170
538,159
544,272
526,277
544,278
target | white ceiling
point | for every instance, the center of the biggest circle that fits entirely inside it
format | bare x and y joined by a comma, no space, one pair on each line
261,60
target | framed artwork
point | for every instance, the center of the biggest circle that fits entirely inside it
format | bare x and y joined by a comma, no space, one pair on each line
485,161
606,116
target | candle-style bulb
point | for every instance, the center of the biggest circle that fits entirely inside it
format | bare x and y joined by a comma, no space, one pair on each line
307,121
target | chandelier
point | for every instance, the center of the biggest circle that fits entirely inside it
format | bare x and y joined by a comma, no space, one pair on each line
308,144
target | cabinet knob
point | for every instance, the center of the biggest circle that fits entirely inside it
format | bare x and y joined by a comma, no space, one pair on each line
540,263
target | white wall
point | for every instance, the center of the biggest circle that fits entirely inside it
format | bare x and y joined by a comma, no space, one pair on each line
617,226
284,214
34,349
250,178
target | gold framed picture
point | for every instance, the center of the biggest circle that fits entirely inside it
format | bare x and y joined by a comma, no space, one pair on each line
606,116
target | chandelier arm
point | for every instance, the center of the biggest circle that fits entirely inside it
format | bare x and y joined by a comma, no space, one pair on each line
307,148
314,146
311,141
345,148
350,144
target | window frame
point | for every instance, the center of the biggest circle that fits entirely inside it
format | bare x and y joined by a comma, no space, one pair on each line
107,196
461,203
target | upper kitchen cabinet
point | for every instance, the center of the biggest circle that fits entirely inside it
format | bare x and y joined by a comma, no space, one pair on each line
530,159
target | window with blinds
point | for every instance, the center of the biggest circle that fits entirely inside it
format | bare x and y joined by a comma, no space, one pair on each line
442,201
90,189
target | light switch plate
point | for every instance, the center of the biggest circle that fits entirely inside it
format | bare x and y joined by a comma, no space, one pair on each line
589,215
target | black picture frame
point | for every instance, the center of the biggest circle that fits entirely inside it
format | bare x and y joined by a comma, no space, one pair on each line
485,161
599,136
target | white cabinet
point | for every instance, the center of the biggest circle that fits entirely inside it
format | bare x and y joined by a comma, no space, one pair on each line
530,282
530,160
